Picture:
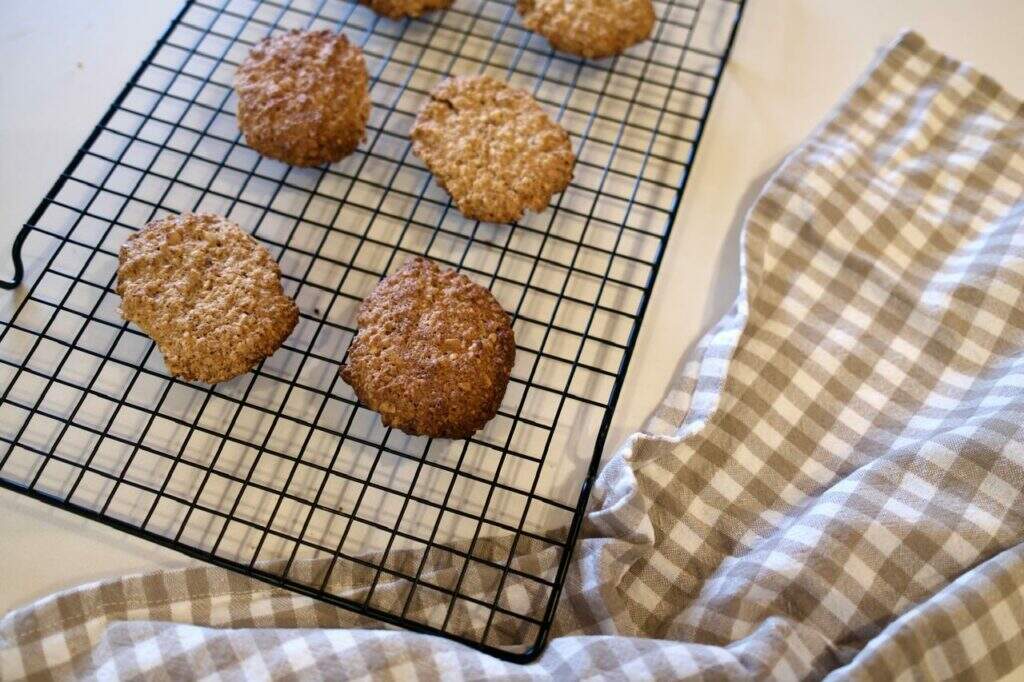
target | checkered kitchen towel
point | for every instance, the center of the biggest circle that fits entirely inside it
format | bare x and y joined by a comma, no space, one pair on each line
836,484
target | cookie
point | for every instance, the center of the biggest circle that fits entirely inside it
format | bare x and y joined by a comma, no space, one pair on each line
396,9
207,293
303,97
589,28
492,148
433,353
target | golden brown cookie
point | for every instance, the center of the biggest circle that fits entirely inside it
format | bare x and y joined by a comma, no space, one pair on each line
433,353
589,28
396,9
492,148
303,97
207,293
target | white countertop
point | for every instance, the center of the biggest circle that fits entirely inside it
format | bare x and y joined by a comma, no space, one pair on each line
65,60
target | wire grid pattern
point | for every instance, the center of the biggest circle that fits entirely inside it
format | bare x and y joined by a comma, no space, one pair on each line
283,464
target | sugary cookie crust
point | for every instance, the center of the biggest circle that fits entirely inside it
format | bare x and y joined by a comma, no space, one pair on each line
303,97
396,9
492,148
433,353
207,293
589,28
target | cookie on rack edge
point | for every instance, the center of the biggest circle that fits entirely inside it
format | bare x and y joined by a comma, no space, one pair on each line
303,97
433,354
492,148
589,28
207,293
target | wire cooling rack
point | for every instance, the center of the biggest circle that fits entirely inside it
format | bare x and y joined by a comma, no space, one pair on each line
281,474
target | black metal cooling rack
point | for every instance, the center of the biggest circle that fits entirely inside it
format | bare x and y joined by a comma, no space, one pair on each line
281,474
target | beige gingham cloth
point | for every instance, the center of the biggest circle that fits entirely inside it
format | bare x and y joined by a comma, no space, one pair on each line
834,487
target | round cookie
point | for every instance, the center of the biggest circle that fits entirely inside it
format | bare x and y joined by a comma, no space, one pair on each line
492,148
207,293
396,9
433,353
589,28
303,97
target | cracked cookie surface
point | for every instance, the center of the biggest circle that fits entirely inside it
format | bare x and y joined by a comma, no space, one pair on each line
433,353
589,28
303,97
492,148
207,293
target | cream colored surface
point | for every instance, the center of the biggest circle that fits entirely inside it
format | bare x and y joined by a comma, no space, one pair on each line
63,64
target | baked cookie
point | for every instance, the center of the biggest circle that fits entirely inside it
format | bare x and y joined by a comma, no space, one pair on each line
396,9
433,353
207,293
589,28
303,97
492,148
